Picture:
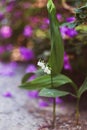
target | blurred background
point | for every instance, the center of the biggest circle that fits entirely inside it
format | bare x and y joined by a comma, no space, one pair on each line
25,36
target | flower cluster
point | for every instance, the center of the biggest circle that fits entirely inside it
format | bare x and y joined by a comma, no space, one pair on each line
26,53
44,67
67,65
6,31
70,19
66,31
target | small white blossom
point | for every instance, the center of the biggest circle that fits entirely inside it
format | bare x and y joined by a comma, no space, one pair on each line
41,64
47,70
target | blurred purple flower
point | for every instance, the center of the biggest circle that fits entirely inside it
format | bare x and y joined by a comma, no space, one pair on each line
31,68
3,1
26,53
33,94
44,26
58,100
9,47
70,19
67,65
2,49
7,94
6,31
46,21
27,31
7,69
10,6
71,32
13,64
1,16
65,31
43,103
59,17
34,20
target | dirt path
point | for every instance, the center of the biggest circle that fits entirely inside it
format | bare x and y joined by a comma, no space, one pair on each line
13,115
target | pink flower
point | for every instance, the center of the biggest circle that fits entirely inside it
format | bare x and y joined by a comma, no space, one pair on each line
26,53
27,31
43,103
10,6
6,31
59,17
31,68
70,32
2,49
7,94
67,65
46,21
70,19
1,16
33,94
58,100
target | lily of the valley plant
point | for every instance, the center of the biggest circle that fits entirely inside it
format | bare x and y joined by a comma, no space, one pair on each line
50,82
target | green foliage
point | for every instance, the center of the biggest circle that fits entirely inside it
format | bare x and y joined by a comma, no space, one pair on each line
83,88
26,77
52,93
55,60
81,15
57,48
49,84
45,82
37,73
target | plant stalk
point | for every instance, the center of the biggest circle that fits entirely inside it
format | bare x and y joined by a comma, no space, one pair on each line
54,112
54,105
77,112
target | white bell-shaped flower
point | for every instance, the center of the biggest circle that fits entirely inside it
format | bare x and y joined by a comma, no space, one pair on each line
41,64
47,70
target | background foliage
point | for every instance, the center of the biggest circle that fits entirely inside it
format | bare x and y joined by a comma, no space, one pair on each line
24,35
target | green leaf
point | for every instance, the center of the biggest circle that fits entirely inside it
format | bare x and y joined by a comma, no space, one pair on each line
83,88
52,93
38,73
45,82
57,47
26,77
38,83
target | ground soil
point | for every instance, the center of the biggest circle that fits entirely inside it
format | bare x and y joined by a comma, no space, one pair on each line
63,122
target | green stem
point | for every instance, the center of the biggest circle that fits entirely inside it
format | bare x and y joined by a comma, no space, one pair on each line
54,105
54,112
77,112
51,80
